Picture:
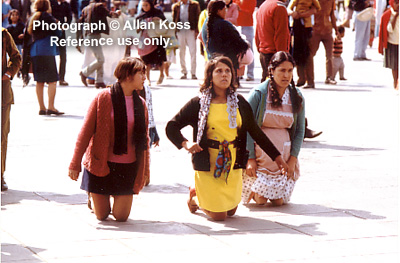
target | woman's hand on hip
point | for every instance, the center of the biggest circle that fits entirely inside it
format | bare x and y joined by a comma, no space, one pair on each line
251,167
73,175
192,147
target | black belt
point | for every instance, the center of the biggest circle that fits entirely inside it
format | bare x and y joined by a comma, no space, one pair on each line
215,144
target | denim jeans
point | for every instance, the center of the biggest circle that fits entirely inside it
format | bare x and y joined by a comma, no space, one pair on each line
248,31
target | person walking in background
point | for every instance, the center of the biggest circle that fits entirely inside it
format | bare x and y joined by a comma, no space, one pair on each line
245,22
202,18
220,118
96,12
11,62
217,32
187,11
61,10
272,32
389,40
325,21
232,12
301,11
43,56
278,107
151,54
363,31
114,139
16,28
24,8
337,60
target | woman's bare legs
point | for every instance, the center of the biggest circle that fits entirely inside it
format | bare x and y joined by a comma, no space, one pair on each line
122,207
260,200
101,206
148,68
277,202
161,78
220,216
192,204
395,74
39,94
166,68
51,91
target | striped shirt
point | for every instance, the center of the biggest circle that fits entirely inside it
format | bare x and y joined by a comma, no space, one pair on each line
337,47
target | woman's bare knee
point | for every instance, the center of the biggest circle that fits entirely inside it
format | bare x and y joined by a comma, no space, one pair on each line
216,216
122,207
121,217
277,202
260,200
101,206
232,211
101,216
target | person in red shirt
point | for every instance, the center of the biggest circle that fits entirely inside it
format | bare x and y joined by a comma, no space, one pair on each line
245,21
272,32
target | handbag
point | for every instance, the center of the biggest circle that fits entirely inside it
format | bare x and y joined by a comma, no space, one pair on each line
366,15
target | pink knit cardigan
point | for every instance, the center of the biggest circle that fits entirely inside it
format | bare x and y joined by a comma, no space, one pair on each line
97,135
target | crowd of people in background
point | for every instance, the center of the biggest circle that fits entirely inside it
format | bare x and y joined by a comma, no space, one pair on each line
286,34
296,26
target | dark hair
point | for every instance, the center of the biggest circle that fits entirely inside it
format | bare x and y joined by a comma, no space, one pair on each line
340,29
213,7
12,12
277,59
128,66
208,72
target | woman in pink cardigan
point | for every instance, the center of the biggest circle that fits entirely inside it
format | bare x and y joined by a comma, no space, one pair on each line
114,140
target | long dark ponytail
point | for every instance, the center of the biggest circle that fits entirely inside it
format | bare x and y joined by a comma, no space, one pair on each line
213,7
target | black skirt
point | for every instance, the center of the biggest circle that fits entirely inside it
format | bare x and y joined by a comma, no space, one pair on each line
44,68
157,57
119,181
391,56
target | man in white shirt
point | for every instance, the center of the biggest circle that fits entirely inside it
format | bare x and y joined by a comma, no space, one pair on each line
187,11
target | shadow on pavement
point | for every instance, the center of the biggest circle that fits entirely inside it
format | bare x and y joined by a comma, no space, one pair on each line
64,116
232,225
314,210
12,197
166,189
18,253
321,145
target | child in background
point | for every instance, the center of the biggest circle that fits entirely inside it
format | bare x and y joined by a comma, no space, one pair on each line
337,60
303,6
171,55
16,28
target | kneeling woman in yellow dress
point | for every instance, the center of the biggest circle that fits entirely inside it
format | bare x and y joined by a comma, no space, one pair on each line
221,119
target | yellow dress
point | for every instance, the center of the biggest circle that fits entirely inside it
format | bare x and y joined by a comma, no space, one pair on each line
215,194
